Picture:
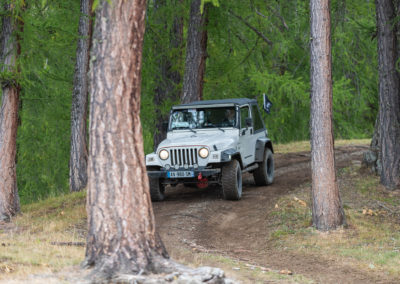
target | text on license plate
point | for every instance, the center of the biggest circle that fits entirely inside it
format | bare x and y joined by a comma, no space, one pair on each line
181,174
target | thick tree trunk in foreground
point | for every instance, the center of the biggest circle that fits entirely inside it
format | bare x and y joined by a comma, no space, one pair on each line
79,154
9,200
168,78
327,209
121,234
389,95
196,54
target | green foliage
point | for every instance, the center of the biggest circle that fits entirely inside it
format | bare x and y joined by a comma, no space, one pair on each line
9,77
204,2
159,26
291,104
239,64
47,66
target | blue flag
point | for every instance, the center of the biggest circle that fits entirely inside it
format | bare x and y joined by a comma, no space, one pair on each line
267,104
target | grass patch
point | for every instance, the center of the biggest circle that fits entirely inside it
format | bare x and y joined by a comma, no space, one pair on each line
302,146
29,243
370,242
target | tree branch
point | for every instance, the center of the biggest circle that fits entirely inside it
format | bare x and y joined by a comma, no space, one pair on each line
260,34
277,14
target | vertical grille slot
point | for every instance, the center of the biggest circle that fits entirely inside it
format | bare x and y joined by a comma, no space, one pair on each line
171,154
189,162
176,157
179,157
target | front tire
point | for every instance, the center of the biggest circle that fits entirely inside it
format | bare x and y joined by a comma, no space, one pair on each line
232,180
264,174
157,190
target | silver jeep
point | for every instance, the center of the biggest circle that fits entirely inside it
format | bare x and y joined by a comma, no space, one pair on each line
212,142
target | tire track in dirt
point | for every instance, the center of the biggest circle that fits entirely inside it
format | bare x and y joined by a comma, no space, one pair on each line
201,218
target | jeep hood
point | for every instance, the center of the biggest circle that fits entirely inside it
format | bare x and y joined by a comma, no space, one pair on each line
219,139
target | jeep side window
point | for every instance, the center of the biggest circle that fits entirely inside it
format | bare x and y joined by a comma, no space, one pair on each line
257,122
244,113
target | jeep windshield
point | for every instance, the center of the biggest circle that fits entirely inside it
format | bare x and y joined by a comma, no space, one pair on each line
196,118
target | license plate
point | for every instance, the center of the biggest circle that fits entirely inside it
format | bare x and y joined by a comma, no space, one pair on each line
181,174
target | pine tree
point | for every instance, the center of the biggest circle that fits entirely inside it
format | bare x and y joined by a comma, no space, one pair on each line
327,211
389,94
9,199
79,155
196,53
121,235
168,78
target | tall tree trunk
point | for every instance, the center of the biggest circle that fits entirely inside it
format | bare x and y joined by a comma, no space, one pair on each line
327,211
196,53
79,154
168,78
389,98
121,233
9,199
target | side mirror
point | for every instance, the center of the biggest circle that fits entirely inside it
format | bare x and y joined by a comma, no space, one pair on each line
165,126
249,122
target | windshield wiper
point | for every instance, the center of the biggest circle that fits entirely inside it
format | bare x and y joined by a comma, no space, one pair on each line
183,128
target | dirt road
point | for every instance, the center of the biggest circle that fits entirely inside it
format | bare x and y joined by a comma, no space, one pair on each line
202,219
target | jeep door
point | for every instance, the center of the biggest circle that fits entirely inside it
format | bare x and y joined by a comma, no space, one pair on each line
247,143
258,124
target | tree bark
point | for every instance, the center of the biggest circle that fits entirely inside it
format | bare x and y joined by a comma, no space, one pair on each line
389,98
79,153
196,53
168,79
121,230
327,211
9,199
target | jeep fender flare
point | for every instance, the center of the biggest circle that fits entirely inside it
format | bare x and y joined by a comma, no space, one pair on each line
261,144
231,154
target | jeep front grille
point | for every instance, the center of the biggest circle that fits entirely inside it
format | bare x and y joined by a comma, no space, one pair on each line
184,156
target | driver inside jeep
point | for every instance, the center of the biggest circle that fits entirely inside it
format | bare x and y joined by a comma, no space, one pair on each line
230,116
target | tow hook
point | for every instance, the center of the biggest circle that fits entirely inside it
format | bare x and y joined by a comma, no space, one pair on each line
202,181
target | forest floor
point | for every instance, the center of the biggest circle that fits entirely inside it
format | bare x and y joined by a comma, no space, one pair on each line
266,237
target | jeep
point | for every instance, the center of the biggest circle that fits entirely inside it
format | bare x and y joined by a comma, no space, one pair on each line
212,142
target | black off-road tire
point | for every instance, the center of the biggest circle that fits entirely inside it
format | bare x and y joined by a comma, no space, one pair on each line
232,180
264,174
157,190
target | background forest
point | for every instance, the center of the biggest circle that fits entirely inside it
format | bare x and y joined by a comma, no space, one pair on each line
253,47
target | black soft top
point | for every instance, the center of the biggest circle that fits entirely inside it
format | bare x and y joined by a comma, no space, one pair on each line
239,101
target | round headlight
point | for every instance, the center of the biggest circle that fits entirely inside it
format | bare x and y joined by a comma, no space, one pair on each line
203,153
163,154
